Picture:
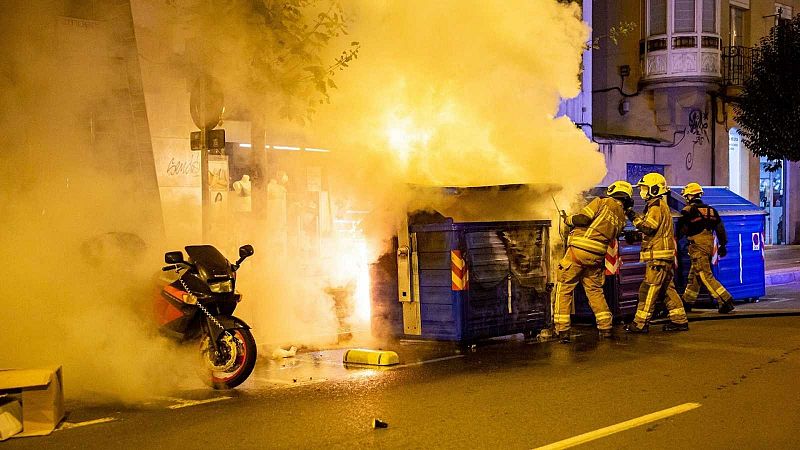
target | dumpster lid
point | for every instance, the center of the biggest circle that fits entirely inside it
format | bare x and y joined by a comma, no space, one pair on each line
495,203
725,201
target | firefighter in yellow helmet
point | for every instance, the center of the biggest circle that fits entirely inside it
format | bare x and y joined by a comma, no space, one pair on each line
658,252
593,229
699,222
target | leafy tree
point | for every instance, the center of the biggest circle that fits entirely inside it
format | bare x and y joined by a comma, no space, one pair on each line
768,112
268,54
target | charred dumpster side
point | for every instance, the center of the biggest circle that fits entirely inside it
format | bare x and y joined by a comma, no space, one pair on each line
463,281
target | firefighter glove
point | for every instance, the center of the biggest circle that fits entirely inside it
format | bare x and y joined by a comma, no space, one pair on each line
722,251
627,203
630,214
632,237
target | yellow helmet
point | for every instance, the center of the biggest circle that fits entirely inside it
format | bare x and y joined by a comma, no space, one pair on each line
620,188
692,189
652,185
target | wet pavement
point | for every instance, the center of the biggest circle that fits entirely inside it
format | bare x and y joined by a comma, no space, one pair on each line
506,393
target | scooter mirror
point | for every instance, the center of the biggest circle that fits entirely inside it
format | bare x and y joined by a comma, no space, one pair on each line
173,257
246,251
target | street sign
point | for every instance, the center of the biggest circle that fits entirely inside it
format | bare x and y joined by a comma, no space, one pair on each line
215,140
206,102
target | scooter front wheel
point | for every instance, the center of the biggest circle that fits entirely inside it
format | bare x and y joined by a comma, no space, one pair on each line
234,360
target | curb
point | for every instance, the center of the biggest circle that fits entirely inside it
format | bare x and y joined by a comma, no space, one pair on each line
782,277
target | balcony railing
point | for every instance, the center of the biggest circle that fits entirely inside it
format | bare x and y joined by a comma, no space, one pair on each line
737,64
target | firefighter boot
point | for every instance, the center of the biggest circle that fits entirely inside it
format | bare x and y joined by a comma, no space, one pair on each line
563,337
726,307
632,328
606,334
672,326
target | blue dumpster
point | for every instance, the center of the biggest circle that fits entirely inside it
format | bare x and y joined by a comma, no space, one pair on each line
466,281
742,270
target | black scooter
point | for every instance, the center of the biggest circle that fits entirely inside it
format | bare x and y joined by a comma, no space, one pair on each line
199,305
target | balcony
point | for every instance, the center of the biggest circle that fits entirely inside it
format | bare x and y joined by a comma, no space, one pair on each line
737,65
681,59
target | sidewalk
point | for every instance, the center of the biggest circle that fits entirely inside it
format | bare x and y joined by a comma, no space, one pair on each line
782,264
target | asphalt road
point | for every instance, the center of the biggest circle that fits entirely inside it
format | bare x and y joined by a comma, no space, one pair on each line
736,379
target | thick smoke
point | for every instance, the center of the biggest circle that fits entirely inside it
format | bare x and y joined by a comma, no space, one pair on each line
444,93
454,93
79,232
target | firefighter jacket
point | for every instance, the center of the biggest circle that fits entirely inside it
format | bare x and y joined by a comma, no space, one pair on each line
699,221
599,222
658,241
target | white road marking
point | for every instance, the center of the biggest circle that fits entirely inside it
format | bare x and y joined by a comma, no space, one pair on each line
622,426
68,425
187,403
419,363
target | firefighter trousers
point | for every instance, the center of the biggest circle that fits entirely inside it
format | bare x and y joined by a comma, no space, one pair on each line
579,266
700,273
658,284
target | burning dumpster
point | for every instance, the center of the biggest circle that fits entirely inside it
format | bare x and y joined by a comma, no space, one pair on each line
463,280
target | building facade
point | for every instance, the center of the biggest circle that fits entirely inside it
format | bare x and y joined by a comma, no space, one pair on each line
663,98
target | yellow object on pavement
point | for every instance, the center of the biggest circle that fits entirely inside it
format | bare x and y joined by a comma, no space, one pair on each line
370,357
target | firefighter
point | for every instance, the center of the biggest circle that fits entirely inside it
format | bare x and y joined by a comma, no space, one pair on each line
592,229
699,222
658,252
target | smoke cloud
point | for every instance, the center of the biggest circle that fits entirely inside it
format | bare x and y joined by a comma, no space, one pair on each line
445,93
461,94
79,228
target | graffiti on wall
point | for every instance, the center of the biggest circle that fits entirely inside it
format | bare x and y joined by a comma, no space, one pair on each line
185,166
698,126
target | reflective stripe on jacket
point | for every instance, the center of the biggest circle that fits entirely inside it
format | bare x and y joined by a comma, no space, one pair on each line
658,233
607,221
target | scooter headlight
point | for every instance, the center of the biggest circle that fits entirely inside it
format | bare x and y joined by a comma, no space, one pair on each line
223,286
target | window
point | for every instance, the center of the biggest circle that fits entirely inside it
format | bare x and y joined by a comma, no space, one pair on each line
737,27
635,172
658,17
783,14
710,16
684,16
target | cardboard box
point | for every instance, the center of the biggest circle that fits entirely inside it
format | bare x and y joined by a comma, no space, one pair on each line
42,397
10,417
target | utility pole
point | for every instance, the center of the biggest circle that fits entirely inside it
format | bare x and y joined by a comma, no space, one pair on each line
206,105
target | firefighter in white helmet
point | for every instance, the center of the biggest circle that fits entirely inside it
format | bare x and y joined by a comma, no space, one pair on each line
699,222
593,229
658,252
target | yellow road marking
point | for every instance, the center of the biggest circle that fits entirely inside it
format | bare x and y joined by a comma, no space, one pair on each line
622,426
